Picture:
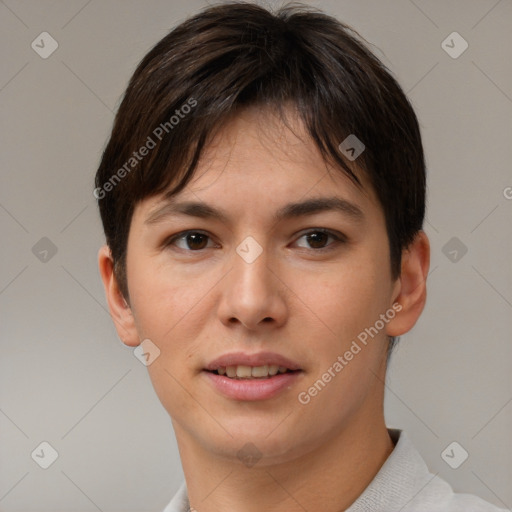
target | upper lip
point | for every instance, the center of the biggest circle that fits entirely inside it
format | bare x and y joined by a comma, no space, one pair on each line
258,359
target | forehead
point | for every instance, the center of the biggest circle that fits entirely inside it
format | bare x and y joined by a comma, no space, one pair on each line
259,157
260,139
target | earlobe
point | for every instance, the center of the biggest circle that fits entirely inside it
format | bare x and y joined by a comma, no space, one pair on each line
412,288
120,311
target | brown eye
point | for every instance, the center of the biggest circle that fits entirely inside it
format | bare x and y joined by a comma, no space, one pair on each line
196,240
190,240
317,239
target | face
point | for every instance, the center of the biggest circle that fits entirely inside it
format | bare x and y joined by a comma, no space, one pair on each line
264,285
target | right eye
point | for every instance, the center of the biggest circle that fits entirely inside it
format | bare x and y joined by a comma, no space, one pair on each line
193,241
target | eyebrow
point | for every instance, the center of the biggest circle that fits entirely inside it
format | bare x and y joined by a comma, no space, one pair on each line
289,211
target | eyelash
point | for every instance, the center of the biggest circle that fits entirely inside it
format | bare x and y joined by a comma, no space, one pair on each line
339,238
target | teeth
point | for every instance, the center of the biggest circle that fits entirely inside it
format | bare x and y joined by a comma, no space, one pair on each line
273,369
243,371
259,371
247,372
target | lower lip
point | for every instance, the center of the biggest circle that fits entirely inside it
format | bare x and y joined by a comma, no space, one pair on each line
252,389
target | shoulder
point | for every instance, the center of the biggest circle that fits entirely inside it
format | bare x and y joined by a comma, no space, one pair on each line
405,483
438,496
434,494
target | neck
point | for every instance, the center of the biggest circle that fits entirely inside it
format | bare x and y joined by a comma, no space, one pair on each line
329,477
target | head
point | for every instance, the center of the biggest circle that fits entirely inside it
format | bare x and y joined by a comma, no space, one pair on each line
248,112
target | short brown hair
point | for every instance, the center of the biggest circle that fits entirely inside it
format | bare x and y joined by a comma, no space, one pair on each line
238,54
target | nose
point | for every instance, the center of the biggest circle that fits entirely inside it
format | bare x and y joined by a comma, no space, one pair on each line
253,295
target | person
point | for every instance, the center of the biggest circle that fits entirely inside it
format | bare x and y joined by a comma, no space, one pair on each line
262,195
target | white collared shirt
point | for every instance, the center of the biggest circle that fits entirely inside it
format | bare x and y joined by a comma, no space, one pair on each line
403,484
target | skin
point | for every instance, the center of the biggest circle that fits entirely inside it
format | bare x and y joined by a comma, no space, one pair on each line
294,299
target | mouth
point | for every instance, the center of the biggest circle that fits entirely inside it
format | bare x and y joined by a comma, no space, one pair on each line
242,372
250,377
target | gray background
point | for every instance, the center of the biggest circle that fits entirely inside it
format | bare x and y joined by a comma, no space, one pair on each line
66,378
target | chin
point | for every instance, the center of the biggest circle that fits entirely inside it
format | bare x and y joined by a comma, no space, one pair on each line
271,443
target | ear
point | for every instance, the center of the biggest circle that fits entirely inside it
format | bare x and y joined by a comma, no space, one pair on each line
120,311
411,288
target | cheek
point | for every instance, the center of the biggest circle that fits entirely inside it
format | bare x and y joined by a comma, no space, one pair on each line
164,300
169,309
345,300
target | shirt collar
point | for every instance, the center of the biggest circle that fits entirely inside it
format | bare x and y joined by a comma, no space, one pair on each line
399,479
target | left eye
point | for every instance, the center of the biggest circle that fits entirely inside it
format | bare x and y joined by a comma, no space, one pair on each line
196,240
318,237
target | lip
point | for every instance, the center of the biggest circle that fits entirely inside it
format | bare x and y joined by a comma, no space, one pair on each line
252,389
258,359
